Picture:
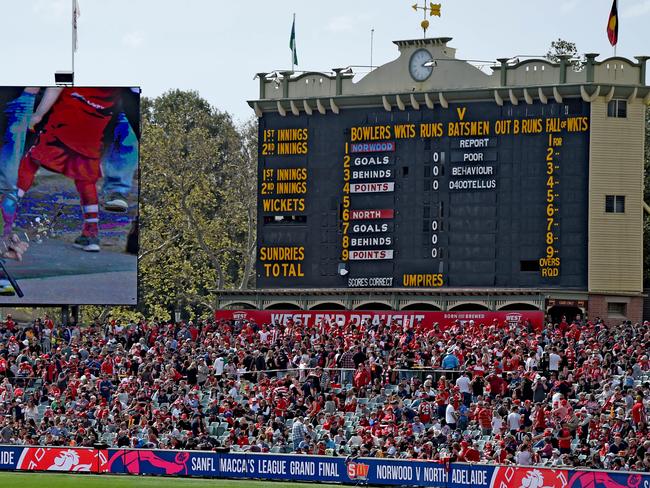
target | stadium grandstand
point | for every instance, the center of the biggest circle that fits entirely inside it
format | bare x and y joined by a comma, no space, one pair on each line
572,394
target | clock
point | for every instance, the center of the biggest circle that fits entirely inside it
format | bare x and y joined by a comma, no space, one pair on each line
417,68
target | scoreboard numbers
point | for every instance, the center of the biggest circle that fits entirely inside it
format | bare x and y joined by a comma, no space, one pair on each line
475,195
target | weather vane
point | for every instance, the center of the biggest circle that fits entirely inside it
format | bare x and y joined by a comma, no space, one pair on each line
432,9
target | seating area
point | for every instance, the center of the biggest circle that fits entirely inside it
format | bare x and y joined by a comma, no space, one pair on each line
572,394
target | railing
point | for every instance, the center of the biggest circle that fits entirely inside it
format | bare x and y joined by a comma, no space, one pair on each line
287,467
420,372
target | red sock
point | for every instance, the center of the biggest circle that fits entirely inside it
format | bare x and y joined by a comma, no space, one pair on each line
89,206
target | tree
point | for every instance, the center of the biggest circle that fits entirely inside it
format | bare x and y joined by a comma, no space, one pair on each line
565,48
244,189
198,194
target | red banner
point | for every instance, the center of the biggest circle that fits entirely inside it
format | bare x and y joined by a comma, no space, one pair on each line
68,459
372,214
443,319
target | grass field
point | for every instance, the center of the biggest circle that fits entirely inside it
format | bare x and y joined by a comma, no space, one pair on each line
54,480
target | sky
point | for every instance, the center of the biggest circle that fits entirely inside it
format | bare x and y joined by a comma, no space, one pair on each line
216,46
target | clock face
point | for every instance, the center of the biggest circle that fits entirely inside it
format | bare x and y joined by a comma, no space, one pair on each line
420,72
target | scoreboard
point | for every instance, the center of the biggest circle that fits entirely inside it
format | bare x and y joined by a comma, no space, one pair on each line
471,195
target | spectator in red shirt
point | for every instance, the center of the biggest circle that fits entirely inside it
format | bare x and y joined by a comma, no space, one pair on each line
10,324
469,452
564,439
484,416
638,412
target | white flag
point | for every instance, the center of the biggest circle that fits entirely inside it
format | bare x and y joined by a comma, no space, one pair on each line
75,16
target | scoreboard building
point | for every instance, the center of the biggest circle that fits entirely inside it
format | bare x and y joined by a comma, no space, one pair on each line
430,185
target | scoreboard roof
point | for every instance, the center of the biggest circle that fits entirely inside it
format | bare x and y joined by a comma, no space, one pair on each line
393,86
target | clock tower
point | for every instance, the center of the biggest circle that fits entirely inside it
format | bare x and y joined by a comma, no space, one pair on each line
424,65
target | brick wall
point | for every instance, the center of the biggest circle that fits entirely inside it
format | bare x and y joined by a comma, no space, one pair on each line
598,307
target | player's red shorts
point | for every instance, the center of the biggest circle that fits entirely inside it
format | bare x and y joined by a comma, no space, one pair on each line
51,154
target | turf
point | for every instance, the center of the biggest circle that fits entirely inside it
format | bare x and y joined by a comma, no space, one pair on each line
55,480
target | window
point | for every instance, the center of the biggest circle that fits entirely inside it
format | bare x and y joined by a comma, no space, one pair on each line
615,203
617,308
617,108
573,106
529,265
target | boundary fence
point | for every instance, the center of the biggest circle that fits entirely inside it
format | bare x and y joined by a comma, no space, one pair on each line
325,469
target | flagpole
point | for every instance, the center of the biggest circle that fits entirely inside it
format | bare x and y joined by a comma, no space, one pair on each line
372,41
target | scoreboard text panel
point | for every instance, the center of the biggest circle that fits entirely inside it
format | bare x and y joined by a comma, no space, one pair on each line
475,195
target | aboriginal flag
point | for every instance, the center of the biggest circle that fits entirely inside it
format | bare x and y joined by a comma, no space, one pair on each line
612,24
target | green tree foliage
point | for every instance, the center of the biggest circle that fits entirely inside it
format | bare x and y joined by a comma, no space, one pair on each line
565,48
197,203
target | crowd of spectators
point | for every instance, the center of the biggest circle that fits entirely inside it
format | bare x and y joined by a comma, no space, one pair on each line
572,394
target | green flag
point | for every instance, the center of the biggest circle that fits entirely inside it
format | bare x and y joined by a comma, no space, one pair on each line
292,42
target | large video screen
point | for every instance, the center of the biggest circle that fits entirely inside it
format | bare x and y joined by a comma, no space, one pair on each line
473,195
69,195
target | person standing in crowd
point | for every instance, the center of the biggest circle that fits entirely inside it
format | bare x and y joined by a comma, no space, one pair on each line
298,433
463,383
347,365
450,361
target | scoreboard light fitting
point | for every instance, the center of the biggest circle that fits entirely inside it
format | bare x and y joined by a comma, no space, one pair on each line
343,269
64,77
